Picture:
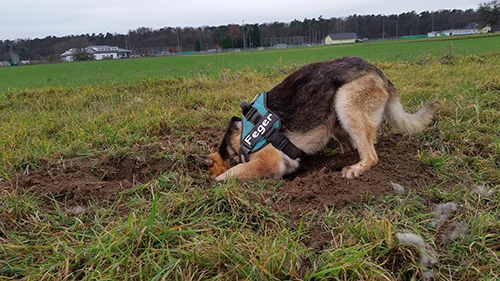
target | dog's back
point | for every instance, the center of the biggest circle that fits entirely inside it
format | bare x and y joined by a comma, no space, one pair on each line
304,100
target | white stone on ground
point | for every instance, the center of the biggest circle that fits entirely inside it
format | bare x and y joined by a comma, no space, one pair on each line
399,189
76,210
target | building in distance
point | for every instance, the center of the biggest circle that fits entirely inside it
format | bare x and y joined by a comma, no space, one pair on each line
338,38
95,53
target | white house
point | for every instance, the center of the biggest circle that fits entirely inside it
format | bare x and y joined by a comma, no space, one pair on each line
69,55
337,38
460,31
471,28
435,34
98,52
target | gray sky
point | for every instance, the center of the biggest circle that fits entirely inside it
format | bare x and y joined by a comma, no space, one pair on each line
41,18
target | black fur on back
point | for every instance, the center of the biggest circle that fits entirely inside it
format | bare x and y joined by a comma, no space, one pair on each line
304,100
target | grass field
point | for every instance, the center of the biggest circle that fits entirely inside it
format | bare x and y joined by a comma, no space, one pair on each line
134,70
180,225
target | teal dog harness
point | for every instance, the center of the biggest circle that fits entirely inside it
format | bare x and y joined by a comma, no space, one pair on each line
260,126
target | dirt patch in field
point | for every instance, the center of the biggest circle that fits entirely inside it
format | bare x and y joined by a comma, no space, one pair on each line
316,184
78,181
319,183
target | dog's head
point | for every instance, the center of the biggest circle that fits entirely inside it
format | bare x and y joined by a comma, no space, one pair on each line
228,154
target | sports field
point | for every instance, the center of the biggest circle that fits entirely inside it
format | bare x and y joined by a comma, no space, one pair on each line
96,182
133,70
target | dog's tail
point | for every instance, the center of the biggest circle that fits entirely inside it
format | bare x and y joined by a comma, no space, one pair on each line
402,121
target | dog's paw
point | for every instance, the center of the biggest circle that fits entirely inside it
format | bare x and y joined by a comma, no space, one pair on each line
353,171
221,177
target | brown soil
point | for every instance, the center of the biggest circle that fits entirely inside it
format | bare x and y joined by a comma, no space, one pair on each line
319,183
78,181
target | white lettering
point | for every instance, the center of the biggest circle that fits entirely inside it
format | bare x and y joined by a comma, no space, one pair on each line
260,130
247,140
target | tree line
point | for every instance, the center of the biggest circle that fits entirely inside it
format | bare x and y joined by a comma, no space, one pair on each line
249,35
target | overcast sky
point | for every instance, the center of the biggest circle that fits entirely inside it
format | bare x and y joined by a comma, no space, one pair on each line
41,18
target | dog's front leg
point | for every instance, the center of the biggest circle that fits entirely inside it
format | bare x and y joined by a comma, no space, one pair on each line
242,171
264,163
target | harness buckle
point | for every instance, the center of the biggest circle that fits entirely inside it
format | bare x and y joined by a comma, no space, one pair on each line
253,115
277,138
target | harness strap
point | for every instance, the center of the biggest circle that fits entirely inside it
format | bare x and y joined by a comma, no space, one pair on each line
244,152
253,116
250,113
281,142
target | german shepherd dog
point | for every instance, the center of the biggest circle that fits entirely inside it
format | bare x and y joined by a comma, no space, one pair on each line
344,98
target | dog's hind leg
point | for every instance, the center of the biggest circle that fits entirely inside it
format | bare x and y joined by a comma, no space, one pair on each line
343,139
360,106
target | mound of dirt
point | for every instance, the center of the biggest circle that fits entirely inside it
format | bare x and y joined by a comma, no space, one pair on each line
78,181
318,182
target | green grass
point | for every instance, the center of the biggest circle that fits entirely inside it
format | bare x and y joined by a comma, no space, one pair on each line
119,72
182,226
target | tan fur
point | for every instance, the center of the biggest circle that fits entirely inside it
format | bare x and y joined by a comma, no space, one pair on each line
312,141
359,106
404,122
263,163
218,166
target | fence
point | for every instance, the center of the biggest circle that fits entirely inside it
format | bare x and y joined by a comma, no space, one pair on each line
284,42
156,51
266,43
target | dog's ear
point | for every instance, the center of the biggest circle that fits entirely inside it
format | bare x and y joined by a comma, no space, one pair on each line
203,159
235,119
235,123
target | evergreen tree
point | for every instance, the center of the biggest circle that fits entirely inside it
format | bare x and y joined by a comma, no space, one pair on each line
23,53
254,36
197,46
227,43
